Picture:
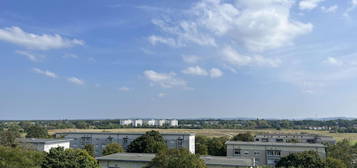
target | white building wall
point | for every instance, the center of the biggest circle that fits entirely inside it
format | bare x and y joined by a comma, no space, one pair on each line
48,147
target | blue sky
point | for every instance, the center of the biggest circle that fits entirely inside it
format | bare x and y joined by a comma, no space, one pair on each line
178,59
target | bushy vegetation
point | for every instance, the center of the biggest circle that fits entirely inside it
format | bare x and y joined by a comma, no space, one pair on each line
150,142
176,158
112,148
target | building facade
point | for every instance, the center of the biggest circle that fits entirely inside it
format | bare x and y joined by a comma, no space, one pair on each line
44,144
139,160
100,140
268,153
300,138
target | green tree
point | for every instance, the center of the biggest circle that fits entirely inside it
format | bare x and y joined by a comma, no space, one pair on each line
150,142
8,137
246,137
69,158
176,158
308,159
201,143
334,163
90,149
36,131
217,146
343,151
112,148
20,158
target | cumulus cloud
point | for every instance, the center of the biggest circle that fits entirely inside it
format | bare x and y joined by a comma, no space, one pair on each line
124,89
333,61
158,39
165,80
309,4
232,57
215,73
75,80
45,73
351,8
32,57
331,9
257,25
196,70
17,36
191,59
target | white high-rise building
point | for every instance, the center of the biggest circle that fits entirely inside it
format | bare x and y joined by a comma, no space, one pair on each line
137,123
126,122
160,123
173,123
149,122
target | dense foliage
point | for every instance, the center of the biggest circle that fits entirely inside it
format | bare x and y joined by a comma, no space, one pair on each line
344,151
90,149
246,137
174,158
8,137
112,148
20,158
150,142
309,159
36,131
69,158
211,146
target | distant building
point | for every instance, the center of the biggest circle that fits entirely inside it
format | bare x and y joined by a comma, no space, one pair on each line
149,122
139,160
101,139
160,123
44,144
300,138
137,123
173,123
126,122
269,153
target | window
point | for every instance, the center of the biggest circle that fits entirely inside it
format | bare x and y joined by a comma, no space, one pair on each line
110,139
279,140
265,139
179,142
256,153
257,139
246,152
236,151
125,140
273,152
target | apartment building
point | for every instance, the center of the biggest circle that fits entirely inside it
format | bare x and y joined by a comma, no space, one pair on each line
269,153
139,160
100,140
299,138
43,144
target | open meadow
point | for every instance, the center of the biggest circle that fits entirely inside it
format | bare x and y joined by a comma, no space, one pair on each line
216,132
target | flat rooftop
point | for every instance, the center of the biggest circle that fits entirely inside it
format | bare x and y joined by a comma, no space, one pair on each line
275,144
147,157
287,134
44,141
123,133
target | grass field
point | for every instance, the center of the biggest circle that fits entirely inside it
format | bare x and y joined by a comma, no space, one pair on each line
216,132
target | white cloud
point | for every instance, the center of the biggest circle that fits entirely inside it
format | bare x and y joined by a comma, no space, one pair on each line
256,24
165,80
74,56
75,81
191,59
231,56
17,36
158,39
32,57
45,72
331,9
351,8
333,61
124,89
161,95
196,70
309,4
215,73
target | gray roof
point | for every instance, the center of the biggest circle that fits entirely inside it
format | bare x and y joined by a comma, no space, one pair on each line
275,144
147,157
44,141
292,134
123,133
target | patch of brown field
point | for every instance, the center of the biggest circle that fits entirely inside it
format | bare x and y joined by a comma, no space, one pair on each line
215,132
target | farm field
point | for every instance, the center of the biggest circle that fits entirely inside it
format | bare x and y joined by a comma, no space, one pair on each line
216,132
